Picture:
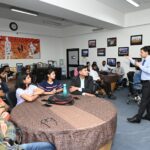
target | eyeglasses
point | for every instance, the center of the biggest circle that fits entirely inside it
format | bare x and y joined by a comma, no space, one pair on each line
49,122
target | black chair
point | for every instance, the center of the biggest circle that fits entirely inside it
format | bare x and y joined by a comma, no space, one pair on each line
11,99
135,89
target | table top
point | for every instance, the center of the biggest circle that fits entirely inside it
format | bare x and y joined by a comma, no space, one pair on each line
87,125
111,77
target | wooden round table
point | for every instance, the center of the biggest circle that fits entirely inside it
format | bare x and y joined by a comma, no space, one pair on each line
89,124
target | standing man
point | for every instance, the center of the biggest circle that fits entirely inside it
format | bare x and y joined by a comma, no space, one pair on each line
145,79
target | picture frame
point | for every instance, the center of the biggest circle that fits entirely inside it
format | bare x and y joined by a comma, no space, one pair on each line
136,39
92,43
123,51
111,41
101,51
137,59
84,52
111,62
51,63
19,67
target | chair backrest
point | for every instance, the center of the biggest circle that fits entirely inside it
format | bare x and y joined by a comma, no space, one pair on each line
11,98
130,75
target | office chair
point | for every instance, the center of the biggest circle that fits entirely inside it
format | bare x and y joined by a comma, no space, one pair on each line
135,87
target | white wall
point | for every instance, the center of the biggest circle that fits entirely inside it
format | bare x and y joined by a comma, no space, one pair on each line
53,46
50,41
123,40
137,18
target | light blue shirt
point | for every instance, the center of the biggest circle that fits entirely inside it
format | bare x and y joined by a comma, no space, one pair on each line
145,69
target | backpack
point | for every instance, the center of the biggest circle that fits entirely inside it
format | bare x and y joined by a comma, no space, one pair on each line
61,100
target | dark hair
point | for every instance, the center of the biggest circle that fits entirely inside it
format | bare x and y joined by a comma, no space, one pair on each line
87,63
81,67
94,62
20,83
118,62
94,65
146,49
4,67
49,72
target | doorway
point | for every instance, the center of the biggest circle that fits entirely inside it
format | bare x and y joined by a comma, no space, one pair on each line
72,61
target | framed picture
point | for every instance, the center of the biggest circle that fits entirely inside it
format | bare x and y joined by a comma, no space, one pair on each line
85,53
136,59
123,51
112,41
136,40
19,67
111,62
92,43
101,51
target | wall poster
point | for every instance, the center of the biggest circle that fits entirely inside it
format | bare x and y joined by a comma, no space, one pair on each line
19,48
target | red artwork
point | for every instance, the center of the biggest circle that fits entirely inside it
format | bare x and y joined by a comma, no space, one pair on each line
19,48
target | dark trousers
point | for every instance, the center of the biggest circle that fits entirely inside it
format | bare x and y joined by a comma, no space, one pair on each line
106,86
145,101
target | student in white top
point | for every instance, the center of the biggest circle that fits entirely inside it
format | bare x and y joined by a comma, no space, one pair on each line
120,72
101,84
26,91
104,66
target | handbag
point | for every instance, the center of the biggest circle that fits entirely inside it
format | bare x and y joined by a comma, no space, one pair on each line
61,100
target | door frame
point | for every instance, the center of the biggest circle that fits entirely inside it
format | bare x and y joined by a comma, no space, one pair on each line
67,56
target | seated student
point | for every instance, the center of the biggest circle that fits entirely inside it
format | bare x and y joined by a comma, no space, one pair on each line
119,71
6,73
88,65
101,84
105,67
4,78
95,63
83,83
3,110
8,138
26,91
3,90
51,86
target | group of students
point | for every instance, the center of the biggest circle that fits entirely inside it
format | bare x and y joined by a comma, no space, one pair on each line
94,71
25,92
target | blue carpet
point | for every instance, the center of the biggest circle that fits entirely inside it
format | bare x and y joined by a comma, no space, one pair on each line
129,136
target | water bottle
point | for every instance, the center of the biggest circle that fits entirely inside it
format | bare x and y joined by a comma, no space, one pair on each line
65,92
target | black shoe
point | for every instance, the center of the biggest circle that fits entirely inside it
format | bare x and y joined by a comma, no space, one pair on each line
134,119
112,97
146,117
98,95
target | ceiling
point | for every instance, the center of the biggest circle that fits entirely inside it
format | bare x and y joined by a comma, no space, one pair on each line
42,19
50,15
125,7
